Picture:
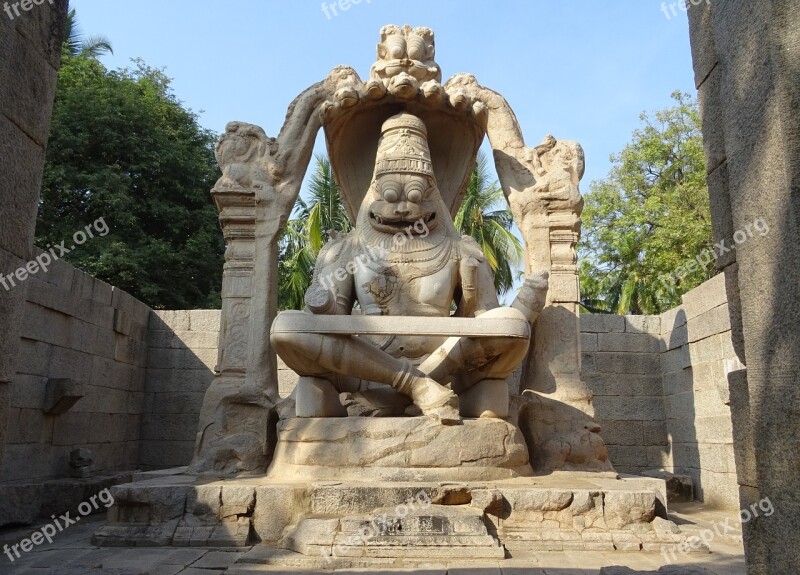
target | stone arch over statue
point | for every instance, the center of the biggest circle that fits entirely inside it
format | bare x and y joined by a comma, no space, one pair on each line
261,181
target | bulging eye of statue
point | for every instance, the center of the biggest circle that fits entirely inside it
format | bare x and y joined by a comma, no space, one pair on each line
414,194
390,194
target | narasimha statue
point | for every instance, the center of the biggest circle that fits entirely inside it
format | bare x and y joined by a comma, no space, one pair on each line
405,258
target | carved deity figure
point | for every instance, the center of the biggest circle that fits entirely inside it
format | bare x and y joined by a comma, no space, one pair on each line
406,258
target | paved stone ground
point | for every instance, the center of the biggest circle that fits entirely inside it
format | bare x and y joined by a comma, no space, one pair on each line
72,553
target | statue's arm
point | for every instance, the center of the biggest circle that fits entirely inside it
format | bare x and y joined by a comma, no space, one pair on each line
332,290
476,281
532,296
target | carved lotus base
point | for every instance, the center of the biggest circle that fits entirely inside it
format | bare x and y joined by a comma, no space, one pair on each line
398,449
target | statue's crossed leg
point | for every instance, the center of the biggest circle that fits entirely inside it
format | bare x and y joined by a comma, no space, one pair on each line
475,367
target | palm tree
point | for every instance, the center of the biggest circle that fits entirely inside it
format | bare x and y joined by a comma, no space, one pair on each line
77,44
306,233
484,215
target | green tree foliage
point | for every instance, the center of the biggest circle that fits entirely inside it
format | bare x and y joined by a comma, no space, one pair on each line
485,216
124,149
307,232
649,218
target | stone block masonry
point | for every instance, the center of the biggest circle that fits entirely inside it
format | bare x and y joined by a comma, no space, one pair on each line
661,390
698,355
29,59
79,328
182,356
745,58
621,365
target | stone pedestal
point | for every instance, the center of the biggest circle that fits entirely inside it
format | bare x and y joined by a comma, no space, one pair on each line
398,449
340,522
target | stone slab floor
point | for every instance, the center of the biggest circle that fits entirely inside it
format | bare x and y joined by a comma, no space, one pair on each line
72,553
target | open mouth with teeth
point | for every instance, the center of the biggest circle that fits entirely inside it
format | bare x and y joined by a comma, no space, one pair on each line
401,224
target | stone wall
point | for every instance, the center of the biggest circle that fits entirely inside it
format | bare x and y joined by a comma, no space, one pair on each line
746,58
661,390
182,355
30,49
79,328
621,365
698,354
182,358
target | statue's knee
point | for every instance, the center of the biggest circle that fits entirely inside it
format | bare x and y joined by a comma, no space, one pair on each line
281,336
504,313
281,342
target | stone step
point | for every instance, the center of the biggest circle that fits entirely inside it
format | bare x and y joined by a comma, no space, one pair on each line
424,531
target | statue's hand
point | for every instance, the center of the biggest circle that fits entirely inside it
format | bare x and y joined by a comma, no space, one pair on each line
320,300
532,295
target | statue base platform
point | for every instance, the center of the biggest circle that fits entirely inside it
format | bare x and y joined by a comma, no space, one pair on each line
398,449
348,524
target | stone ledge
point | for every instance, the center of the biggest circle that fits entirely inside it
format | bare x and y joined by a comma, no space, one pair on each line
24,503
398,448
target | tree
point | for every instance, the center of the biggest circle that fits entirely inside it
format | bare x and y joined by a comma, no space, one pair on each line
484,215
123,148
305,234
77,44
649,218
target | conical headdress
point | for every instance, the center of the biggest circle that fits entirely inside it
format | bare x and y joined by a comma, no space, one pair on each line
403,147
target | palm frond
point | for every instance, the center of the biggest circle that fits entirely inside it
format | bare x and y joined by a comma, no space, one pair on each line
484,215
77,44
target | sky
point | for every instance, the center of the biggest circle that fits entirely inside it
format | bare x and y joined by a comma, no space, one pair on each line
578,69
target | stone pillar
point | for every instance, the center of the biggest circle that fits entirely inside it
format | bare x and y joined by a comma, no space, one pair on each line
30,52
234,433
746,58
261,179
237,219
541,184
554,364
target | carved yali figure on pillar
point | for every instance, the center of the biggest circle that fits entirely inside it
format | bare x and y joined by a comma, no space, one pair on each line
405,258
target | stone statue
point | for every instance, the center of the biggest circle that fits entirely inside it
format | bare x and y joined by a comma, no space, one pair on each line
401,320
404,268
236,151
405,258
405,62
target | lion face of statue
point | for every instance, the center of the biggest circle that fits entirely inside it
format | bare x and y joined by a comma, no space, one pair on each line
239,142
401,201
408,51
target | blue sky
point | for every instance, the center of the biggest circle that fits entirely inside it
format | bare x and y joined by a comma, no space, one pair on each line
579,69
